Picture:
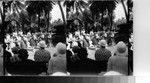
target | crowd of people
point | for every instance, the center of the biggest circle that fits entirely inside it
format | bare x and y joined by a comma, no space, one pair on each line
71,58
16,55
106,62
26,40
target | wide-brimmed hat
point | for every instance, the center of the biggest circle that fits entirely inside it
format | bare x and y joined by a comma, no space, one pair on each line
42,44
103,43
121,49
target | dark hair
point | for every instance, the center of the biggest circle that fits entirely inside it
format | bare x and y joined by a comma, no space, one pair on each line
42,47
69,53
23,54
82,54
15,50
76,49
4,46
103,47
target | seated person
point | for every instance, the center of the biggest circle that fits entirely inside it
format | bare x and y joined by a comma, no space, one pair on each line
58,63
83,65
25,66
119,63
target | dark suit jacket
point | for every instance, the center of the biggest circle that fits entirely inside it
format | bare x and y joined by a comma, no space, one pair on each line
27,67
86,67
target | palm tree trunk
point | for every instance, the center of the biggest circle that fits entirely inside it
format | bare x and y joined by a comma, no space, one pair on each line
48,22
38,21
63,16
126,14
111,21
102,20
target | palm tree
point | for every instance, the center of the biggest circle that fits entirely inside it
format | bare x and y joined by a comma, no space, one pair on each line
37,7
77,7
127,10
14,9
3,25
63,16
100,7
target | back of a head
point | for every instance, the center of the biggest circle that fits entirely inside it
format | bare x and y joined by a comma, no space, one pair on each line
103,43
82,54
76,49
121,49
23,54
15,50
61,48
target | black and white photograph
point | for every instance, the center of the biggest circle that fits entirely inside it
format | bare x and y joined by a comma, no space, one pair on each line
34,37
66,37
99,37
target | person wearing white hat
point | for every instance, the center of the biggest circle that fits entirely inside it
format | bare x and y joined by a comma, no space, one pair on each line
102,54
119,62
58,63
42,55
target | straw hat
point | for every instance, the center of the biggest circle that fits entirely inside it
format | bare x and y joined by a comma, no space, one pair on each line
103,43
42,44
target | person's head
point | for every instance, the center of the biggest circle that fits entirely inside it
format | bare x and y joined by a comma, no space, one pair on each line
121,49
61,48
82,53
76,49
102,43
15,50
23,54
42,44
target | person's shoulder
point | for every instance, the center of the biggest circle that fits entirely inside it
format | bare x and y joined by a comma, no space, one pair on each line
47,51
37,51
118,58
107,50
90,60
29,60
98,49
